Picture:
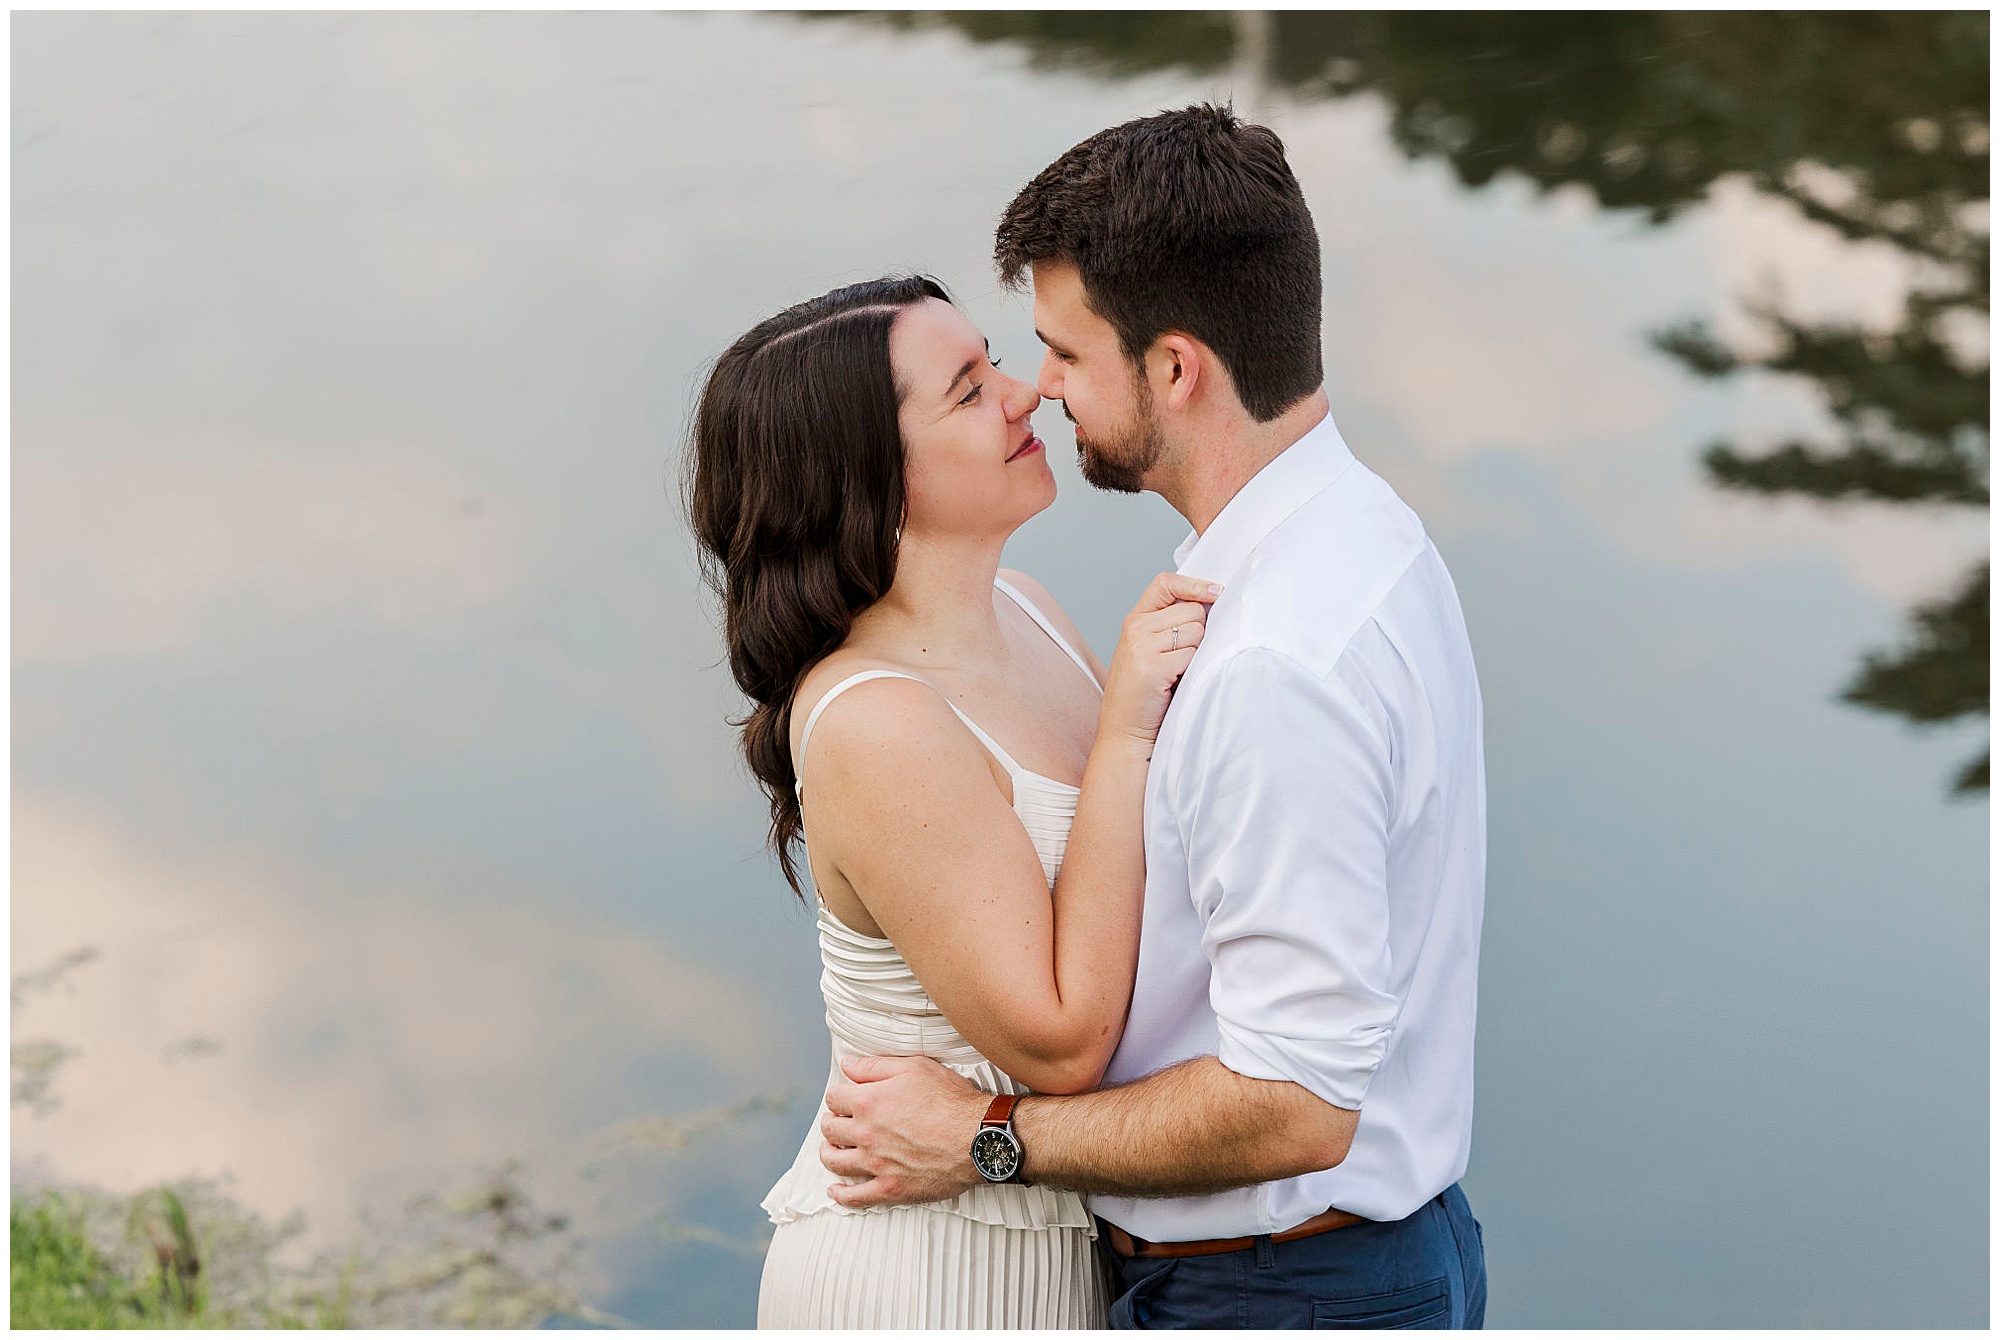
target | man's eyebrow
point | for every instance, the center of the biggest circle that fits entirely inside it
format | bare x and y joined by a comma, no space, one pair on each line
1049,342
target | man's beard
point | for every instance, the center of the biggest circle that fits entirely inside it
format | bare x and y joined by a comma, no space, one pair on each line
1120,463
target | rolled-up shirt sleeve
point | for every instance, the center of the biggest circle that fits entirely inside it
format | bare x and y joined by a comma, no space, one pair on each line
1284,802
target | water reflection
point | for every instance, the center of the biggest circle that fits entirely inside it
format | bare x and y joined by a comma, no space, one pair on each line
368,714
1874,125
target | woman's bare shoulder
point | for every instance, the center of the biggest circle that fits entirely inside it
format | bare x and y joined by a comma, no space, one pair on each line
907,701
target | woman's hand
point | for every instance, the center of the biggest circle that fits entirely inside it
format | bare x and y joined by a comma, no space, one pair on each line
1157,641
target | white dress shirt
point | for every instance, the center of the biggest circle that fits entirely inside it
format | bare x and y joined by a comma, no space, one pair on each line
1316,844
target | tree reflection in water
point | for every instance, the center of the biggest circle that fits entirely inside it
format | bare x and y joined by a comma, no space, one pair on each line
1874,124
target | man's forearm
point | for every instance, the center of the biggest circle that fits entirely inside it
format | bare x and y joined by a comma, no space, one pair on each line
1192,1128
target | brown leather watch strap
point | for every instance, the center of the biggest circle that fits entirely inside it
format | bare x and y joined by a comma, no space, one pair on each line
1001,1111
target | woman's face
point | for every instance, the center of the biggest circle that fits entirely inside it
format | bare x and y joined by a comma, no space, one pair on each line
972,464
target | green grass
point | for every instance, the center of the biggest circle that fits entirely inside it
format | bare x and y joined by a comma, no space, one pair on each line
186,1256
59,1281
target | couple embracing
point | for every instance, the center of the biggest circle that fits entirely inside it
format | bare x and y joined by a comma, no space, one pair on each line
1151,985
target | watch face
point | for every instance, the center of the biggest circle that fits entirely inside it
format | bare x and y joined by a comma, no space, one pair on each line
995,1154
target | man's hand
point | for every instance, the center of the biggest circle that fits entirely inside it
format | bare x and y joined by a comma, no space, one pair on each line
905,1124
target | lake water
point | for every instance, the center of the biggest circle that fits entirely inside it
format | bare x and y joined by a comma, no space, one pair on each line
368,717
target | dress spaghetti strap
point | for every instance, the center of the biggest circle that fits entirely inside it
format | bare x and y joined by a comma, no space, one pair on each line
1048,628
812,718
1014,769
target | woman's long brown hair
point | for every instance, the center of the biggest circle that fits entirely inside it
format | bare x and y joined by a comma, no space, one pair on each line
794,485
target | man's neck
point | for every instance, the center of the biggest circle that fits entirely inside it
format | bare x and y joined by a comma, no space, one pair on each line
1227,454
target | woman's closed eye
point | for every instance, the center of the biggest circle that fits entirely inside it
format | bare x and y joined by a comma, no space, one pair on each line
970,396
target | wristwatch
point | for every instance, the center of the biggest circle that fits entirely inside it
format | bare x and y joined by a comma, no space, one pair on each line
996,1151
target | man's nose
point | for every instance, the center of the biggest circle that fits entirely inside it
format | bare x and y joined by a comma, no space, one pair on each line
1048,377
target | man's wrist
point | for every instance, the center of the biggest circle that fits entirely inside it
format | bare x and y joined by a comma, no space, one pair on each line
1029,1104
972,1111
996,1152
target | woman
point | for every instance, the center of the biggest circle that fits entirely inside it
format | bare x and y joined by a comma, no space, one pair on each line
970,776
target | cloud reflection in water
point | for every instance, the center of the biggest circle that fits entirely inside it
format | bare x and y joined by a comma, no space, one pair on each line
367,712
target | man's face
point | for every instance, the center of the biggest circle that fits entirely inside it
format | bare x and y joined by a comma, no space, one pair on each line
1118,438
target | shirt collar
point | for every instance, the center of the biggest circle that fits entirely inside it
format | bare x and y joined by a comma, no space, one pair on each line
1296,474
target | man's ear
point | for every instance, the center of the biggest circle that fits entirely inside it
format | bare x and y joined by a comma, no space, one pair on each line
1178,360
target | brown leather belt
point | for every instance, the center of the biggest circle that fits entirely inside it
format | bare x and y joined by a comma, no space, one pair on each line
1126,1245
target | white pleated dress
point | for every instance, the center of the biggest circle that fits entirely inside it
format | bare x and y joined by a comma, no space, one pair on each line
999,1256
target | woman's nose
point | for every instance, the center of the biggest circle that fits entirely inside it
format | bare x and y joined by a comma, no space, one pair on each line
1023,398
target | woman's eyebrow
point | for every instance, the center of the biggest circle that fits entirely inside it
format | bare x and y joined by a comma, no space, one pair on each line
966,371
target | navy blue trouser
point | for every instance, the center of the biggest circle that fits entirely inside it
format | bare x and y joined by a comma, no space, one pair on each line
1428,1270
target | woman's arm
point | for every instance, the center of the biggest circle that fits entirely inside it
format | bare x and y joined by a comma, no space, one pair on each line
902,804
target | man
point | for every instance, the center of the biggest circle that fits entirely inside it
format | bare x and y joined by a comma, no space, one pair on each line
1282,1129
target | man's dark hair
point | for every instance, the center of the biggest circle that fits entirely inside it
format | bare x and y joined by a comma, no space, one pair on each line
1186,221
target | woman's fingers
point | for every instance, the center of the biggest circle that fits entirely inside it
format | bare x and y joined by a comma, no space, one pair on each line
1158,641
1183,611
1181,635
1169,587
1183,620
1140,624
